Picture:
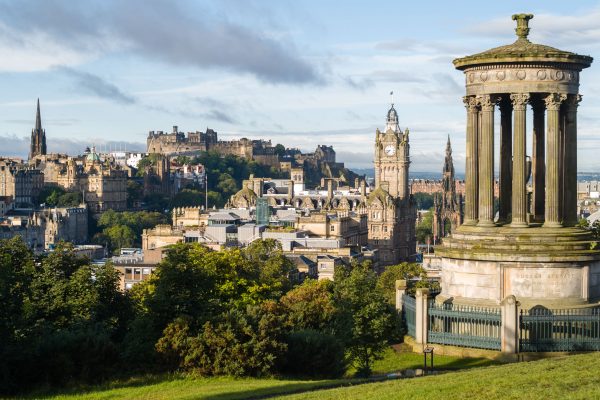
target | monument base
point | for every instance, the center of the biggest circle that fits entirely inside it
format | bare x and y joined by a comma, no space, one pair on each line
548,267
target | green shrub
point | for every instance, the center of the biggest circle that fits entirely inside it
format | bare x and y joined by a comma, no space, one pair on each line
314,354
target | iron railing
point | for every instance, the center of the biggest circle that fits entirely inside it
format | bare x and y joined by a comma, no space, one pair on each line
543,329
409,313
464,326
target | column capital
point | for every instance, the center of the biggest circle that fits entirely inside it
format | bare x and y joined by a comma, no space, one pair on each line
554,100
519,100
573,100
470,103
487,102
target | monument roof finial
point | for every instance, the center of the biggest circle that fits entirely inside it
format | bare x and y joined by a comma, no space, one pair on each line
522,28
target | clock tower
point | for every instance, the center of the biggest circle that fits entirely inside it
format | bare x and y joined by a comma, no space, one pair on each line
392,157
392,211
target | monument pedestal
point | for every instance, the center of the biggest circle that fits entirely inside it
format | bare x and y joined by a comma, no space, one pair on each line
548,267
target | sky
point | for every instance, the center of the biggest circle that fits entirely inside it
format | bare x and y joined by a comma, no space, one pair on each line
300,73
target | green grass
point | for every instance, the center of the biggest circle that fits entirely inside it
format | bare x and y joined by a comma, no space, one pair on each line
394,361
223,388
181,387
569,377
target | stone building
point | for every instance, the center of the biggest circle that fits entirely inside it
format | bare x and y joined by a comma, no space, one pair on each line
178,143
42,229
535,253
447,212
391,210
102,183
20,181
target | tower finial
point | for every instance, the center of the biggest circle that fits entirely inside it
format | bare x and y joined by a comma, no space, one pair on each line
522,28
392,96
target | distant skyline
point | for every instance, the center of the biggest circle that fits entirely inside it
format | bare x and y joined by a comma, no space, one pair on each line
298,73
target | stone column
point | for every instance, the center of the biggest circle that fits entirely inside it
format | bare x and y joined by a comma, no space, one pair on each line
400,291
553,217
471,175
519,194
421,315
570,161
486,161
538,162
509,335
504,203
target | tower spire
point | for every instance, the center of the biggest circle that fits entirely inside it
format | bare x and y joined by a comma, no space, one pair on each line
38,117
38,136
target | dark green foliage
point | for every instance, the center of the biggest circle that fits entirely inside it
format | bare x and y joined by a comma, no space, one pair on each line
424,201
56,196
310,306
231,312
413,273
135,192
61,318
238,343
424,229
366,320
188,198
314,354
225,174
124,229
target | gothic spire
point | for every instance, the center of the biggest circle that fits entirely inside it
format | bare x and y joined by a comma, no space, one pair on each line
448,163
38,136
38,117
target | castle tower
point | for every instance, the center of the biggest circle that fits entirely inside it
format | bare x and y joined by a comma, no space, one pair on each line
392,156
38,136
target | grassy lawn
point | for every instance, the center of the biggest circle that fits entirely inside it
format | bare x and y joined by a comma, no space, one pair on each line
180,387
153,388
393,361
570,377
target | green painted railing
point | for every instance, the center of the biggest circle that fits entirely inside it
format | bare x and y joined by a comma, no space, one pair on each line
409,313
544,329
464,326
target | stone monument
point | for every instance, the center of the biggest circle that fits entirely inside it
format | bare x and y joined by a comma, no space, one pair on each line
531,249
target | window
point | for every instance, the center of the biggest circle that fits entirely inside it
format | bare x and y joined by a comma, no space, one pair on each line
332,228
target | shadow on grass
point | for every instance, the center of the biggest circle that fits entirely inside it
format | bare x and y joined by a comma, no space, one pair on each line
81,389
293,388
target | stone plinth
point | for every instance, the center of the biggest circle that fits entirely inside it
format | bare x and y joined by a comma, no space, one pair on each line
539,266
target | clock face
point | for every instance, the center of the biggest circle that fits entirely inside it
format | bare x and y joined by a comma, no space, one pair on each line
390,150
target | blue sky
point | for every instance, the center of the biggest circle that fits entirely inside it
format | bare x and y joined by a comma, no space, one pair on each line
301,73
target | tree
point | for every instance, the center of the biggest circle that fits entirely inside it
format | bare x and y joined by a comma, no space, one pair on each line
310,306
238,343
425,227
188,198
365,319
424,201
405,271
280,150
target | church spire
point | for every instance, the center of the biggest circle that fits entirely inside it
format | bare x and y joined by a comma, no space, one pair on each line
38,117
448,163
38,136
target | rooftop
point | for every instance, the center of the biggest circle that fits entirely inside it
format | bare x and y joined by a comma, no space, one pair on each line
522,50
